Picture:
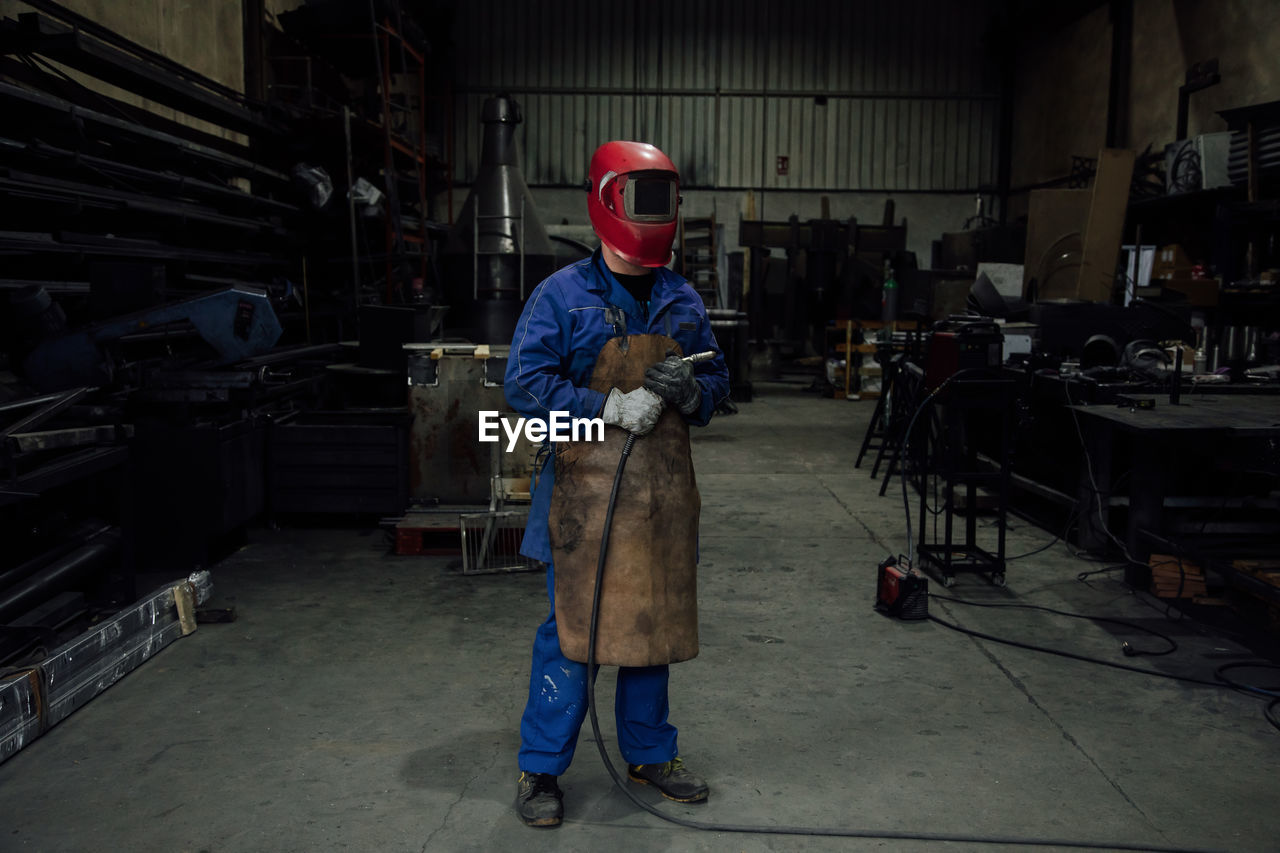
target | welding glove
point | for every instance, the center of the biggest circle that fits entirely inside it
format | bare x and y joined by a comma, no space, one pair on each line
635,411
673,381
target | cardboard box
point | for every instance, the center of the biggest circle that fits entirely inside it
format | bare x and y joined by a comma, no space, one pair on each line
1100,252
1073,236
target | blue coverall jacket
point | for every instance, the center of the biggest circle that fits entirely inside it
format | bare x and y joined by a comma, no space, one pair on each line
565,323
561,332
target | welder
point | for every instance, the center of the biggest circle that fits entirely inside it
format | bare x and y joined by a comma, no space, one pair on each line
604,338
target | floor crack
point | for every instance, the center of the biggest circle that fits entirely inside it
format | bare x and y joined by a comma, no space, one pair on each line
1067,736
444,821
513,698
844,506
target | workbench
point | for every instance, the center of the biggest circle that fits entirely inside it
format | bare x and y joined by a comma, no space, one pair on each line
1162,445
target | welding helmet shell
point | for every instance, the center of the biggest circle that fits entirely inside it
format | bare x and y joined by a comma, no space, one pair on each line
633,201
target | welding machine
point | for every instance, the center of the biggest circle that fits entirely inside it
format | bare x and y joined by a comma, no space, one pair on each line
901,591
962,344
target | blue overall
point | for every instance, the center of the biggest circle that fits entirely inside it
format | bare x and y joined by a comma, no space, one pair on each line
565,323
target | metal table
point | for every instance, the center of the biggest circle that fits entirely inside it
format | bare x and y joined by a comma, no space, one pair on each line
1160,440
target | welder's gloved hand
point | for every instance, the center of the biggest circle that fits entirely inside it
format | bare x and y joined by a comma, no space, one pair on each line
635,411
673,381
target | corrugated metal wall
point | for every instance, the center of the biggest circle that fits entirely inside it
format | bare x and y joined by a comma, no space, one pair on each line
726,87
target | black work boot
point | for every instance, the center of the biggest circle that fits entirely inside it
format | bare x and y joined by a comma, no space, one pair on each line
672,779
539,799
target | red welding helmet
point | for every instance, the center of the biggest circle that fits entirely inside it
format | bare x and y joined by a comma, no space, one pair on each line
633,196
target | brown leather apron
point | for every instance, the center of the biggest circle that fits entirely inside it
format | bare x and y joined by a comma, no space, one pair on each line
649,597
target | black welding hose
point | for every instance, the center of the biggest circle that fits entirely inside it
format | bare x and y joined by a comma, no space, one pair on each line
783,829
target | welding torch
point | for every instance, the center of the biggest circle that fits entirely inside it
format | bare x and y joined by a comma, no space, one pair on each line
688,359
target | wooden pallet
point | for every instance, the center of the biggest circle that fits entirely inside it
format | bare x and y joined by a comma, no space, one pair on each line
437,534
428,534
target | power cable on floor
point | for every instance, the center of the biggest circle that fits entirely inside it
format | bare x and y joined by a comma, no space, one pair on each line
1129,651
1018,644
1223,683
896,835
1273,692
1084,576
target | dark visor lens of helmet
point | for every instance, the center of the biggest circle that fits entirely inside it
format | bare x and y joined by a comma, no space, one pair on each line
650,199
653,197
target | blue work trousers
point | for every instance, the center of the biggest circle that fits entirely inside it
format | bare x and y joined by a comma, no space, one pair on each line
558,704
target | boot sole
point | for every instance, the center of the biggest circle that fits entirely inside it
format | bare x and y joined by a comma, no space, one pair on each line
695,799
542,821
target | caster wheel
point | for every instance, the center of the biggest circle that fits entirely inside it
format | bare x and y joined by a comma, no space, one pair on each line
948,581
997,579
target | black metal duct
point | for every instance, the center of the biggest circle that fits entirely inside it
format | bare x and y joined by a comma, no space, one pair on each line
498,249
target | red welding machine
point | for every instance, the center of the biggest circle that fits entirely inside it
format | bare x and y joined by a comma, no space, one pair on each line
901,591
960,344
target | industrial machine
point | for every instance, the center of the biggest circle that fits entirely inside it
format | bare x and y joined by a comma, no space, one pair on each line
962,344
229,326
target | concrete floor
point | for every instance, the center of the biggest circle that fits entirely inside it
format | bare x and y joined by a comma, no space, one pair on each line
366,702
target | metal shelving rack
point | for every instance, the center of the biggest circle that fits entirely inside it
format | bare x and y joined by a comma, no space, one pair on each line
405,141
698,261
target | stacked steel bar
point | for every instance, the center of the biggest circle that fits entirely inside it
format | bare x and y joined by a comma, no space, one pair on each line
37,697
89,182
